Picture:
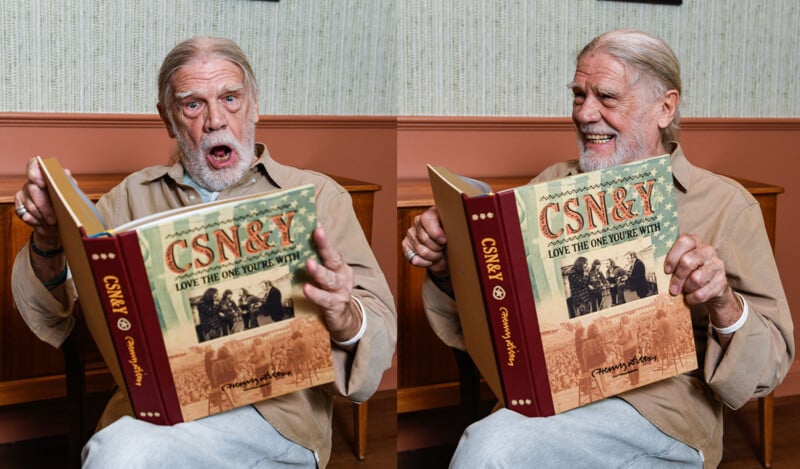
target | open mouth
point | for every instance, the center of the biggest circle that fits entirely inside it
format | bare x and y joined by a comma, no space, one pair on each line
221,152
598,138
220,156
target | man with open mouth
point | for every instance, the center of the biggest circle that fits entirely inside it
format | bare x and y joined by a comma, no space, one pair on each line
208,102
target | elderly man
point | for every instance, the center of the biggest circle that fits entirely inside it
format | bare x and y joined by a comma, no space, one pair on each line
207,99
626,95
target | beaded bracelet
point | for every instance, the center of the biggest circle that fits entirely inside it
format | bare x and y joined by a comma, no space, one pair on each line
43,253
62,277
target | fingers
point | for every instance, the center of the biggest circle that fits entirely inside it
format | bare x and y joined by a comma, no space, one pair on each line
431,224
333,278
36,200
328,255
331,288
331,301
425,241
696,269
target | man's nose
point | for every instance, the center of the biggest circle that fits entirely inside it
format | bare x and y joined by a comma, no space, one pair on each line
588,111
215,118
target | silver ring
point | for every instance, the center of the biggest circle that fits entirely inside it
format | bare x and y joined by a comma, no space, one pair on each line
410,255
21,211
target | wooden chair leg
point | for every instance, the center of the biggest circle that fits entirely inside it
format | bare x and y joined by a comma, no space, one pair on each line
765,423
360,412
76,388
469,387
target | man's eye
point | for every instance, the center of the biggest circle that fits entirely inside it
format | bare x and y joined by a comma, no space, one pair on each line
192,105
230,99
578,98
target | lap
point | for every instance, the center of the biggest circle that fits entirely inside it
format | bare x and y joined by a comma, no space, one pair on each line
237,438
608,433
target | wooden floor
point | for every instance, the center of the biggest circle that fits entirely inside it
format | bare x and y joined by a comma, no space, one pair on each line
432,441
741,436
381,434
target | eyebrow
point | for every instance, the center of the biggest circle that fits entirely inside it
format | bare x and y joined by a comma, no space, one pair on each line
228,89
183,94
601,89
232,88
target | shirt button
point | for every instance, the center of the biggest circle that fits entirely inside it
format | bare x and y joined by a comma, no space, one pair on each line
191,197
253,180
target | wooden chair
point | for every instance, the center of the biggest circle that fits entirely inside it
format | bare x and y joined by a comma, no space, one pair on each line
76,351
765,425
77,432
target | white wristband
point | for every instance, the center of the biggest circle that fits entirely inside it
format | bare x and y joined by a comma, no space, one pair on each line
738,324
360,332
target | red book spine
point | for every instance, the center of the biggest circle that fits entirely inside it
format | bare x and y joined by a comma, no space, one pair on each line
120,306
140,282
529,322
494,266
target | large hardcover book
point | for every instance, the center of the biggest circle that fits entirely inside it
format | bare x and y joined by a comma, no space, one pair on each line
200,309
560,285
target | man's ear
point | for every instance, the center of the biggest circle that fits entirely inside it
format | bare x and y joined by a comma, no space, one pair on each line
255,110
669,106
165,118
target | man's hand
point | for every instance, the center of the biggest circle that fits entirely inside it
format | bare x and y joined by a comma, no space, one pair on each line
425,242
332,289
699,273
39,213
34,207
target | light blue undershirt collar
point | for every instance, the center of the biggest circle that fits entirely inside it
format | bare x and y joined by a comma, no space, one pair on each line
205,194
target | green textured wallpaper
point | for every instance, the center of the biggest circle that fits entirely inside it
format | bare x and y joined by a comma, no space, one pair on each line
410,57
310,57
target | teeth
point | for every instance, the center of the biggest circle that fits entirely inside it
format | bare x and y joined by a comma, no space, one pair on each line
594,138
221,155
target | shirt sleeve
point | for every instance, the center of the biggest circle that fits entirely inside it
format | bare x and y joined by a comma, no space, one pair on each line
442,314
761,352
46,317
358,373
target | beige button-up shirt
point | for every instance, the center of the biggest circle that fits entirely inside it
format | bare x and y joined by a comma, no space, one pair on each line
304,416
689,407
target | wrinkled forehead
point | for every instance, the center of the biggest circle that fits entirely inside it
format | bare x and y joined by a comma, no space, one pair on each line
601,69
207,75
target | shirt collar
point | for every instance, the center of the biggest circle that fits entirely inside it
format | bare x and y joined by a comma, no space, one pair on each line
681,169
264,163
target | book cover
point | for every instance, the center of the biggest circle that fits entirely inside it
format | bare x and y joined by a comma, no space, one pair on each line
119,302
448,190
593,247
217,292
501,303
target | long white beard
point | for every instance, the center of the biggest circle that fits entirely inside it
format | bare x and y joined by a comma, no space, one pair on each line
194,161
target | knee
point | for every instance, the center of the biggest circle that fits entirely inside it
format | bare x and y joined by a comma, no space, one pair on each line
121,444
485,443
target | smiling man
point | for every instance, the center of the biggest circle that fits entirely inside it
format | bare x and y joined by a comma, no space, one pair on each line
626,92
208,102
